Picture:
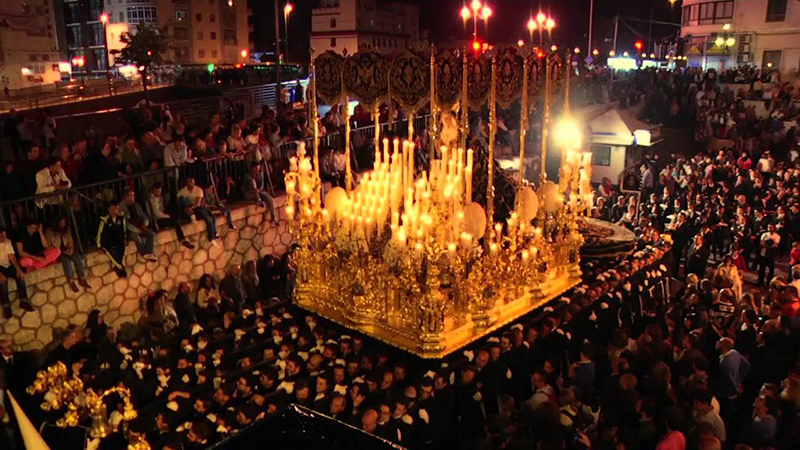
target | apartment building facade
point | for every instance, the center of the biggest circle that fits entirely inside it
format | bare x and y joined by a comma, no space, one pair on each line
347,26
729,33
29,53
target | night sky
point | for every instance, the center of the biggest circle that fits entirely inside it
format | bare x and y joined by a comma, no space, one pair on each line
441,18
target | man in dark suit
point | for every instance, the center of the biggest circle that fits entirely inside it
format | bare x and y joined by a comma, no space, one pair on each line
184,307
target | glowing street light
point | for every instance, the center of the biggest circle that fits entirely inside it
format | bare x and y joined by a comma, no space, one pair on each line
719,41
477,10
541,18
465,14
595,52
612,53
104,18
576,50
567,134
550,24
286,11
245,53
520,43
553,48
730,41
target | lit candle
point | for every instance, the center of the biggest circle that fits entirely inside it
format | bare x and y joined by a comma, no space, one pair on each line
493,248
525,255
290,211
400,237
451,249
466,240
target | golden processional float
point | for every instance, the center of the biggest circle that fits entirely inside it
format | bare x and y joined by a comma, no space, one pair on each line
409,256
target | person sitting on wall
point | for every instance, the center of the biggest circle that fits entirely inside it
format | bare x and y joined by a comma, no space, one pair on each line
10,268
34,250
138,226
163,218
254,189
60,237
111,237
191,201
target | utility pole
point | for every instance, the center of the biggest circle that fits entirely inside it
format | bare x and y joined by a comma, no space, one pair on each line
591,16
616,30
277,54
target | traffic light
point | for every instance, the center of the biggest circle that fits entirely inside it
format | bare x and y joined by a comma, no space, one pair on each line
639,46
476,46
210,67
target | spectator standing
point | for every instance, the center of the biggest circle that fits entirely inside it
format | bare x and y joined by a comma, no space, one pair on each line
132,156
50,179
111,235
10,269
60,236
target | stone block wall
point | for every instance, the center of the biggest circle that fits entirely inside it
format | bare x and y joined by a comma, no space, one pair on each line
122,300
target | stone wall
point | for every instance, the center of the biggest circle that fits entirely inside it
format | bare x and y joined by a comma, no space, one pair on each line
122,300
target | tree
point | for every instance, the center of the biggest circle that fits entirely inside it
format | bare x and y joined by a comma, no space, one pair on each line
143,49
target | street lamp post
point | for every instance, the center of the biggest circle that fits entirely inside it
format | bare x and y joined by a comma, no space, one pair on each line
476,10
286,11
104,20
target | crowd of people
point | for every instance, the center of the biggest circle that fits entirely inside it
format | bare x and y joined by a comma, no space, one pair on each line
661,349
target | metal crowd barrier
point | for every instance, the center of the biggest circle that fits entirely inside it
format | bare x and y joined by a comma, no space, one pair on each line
83,206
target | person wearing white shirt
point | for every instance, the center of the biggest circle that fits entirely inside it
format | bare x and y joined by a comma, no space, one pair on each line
192,203
10,269
50,179
770,240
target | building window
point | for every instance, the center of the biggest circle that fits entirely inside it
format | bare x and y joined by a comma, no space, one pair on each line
213,53
229,37
45,57
181,33
198,17
199,35
333,42
33,57
181,15
100,58
213,35
121,17
74,36
601,155
201,53
333,23
97,35
212,18
72,14
707,13
776,10
142,14
771,59
95,9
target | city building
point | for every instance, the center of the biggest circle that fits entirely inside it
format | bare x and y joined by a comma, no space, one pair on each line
29,53
81,36
202,32
347,26
723,34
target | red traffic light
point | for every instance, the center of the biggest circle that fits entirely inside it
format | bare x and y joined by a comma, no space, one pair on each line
639,45
476,46
540,54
